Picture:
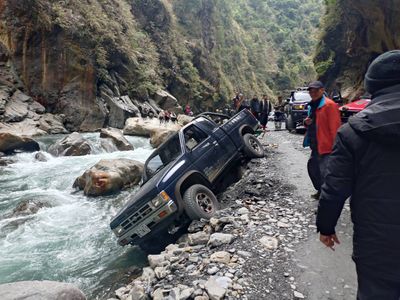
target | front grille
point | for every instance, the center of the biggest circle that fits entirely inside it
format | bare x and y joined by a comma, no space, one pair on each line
136,217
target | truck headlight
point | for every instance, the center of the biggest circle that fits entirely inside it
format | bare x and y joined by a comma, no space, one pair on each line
298,107
162,197
118,230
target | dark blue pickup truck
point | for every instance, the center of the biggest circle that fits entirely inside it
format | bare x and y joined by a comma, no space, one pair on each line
182,175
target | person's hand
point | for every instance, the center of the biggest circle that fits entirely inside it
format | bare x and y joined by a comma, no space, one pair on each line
308,121
329,240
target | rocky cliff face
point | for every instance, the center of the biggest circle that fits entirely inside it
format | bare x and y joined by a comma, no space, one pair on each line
96,63
356,32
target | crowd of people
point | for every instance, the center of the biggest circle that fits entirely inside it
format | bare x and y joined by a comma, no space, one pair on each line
261,109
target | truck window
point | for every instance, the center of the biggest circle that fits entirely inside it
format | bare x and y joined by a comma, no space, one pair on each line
194,136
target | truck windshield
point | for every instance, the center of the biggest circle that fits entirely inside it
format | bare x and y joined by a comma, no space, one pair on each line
160,158
301,97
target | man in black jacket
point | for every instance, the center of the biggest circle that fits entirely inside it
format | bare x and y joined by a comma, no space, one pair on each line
365,164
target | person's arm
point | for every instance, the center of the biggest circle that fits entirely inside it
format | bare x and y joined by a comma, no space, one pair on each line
334,120
337,187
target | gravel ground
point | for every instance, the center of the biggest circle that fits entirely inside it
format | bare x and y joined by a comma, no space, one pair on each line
261,245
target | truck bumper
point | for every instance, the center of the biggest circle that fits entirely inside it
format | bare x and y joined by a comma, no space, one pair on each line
138,231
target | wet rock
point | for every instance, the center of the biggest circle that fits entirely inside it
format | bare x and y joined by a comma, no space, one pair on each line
110,176
10,143
198,238
298,295
28,207
214,289
72,145
269,242
116,136
40,156
218,239
148,275
220,257
44,290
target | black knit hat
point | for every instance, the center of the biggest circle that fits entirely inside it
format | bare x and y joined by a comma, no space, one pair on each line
383,72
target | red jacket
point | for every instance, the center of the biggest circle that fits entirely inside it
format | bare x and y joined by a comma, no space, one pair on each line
328,123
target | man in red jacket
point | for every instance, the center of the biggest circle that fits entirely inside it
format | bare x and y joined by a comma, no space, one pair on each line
322,123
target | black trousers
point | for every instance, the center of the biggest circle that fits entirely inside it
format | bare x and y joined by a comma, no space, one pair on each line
316,167
371,288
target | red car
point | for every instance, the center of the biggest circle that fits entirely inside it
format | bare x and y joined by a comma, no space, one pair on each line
350,109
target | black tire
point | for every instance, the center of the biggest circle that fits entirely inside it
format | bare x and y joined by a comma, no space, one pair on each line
252,146
290,124
200,202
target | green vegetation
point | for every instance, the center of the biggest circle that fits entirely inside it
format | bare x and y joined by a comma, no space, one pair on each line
203,51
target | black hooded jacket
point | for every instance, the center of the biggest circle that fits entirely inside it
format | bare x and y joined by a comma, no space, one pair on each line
365,164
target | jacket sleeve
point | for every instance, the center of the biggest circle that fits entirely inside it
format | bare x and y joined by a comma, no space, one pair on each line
334,120
337,187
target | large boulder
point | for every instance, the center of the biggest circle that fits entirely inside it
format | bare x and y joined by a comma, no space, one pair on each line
27,127
159,137
117,137
120,108
184,119
17,107
28,207
166,101
72,145
110,176
43,290
10,143
52,124
147,127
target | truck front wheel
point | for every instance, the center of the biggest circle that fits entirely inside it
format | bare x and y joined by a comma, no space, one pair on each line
252,146
200,202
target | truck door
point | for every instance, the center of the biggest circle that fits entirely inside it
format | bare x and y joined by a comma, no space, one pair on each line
203,150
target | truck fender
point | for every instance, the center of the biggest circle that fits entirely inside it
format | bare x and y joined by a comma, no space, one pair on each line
190,178
244,129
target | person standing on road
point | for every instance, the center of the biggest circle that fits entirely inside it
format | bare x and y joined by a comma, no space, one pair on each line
322,124
365,164
266,108
255,107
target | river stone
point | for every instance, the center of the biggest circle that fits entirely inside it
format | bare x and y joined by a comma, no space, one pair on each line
198,238
161,272
109,176
43,290
40,156
218,239
214,289
72,145
148,275
269,242
116,136
137,292
28,207
220,257
157,260
9,143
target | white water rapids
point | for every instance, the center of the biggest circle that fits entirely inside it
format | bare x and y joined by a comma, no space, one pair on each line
70,240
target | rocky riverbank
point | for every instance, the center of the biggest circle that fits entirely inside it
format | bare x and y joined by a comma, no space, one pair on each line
244,252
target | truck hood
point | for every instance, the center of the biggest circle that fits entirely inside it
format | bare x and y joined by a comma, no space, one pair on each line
357,105
146,193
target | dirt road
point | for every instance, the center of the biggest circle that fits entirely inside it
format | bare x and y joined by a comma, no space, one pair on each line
321,273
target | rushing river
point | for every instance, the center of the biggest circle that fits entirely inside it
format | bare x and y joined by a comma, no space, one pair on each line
69,240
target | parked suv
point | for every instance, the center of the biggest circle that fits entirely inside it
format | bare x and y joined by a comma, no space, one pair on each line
297,109
181,177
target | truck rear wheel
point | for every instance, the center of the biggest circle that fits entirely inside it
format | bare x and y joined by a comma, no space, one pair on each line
200,202
252,146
